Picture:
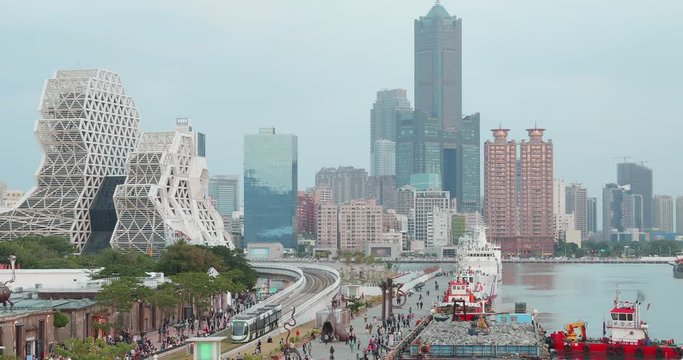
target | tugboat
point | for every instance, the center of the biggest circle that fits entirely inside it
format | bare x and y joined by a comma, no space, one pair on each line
463,301
628,336
678,266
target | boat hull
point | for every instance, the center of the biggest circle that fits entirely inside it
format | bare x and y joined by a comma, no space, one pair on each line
603,348
678,271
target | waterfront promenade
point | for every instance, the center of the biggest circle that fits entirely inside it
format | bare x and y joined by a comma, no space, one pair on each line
643,260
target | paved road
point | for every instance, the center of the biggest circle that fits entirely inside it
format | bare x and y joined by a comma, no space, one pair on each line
343,351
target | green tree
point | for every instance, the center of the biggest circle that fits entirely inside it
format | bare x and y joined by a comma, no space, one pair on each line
182,257
119,296
40,252
166,297
236,265
117,263
197,288
92,349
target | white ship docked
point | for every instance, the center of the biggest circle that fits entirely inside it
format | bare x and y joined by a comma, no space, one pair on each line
480,262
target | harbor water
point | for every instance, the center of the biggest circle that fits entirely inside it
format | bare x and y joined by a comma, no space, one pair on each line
564,293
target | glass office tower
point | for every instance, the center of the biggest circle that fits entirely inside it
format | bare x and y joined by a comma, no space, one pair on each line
270,188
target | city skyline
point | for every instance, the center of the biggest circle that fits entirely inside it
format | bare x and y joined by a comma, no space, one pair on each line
578,68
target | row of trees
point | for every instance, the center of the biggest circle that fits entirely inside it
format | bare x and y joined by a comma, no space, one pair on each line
619,248
187,266
51,252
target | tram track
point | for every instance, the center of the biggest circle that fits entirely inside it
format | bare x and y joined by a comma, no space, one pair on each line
316,282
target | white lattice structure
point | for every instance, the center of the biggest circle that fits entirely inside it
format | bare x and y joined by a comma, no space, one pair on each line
88,127
164,197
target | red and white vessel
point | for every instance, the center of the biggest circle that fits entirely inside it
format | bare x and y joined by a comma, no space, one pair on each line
465,299
628,337
480,262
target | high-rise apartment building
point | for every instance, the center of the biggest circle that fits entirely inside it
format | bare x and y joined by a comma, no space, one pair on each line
563,221
383,190
345,182
270,187
384,158
639,177
468,177
405,200
536,205
327,226
622,211
577,204
426,203
592,209
306,212
663,215
500,191
360,223
87,128
679,215
323,194
439,225
438,81
225,190
383,123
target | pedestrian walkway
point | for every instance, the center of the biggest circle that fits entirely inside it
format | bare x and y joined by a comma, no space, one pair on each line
345,351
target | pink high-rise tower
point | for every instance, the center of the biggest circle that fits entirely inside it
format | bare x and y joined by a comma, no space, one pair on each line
536,195
500,191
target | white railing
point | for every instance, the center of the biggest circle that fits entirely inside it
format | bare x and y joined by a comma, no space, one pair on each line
298,284
332,289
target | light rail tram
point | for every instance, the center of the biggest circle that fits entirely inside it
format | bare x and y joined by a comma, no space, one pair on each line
256,323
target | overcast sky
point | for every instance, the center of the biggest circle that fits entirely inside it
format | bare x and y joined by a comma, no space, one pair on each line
604,77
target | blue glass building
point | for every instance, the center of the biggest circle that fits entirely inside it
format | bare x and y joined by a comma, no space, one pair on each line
270,188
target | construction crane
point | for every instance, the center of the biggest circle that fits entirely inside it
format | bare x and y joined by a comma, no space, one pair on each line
571,335
624,158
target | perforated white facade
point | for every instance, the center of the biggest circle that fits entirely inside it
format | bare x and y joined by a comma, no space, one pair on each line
88,127
164,197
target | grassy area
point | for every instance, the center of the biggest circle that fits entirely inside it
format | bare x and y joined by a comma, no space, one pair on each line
266,349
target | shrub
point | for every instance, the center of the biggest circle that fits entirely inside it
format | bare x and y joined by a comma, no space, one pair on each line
60,320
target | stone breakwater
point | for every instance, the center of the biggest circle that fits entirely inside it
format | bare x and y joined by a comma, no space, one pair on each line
457,333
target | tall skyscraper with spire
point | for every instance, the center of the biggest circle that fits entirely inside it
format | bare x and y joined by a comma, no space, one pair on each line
438,82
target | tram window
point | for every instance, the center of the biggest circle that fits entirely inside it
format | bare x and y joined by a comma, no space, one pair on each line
238,328
622,317
630,317
615,317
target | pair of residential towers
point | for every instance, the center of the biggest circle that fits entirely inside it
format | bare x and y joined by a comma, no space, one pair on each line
518,193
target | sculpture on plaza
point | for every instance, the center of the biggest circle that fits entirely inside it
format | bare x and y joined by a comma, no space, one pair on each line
5,292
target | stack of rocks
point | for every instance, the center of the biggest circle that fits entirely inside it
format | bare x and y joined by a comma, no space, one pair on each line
457,333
